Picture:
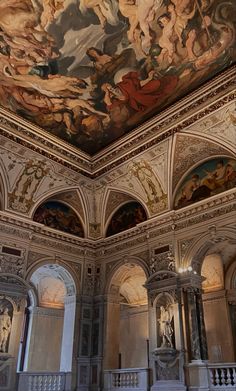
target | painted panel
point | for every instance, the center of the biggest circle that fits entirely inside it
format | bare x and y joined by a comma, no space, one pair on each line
127,216
89,71
59,216
210,178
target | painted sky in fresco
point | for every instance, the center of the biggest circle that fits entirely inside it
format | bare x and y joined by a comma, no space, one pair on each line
89,71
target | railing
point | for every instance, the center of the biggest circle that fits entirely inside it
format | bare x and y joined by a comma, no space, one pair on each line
126,379
222,377
41,381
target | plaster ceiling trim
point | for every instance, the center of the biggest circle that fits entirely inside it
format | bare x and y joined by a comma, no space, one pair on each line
181,114
4,185
182,164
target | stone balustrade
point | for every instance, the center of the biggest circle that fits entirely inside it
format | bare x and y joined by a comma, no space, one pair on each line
126,379
41,381
222,376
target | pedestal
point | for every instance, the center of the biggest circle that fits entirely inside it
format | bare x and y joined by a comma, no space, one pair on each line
168,370
198,376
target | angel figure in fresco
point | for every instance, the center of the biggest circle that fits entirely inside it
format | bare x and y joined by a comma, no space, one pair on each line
106,10
184,10
165,327
167,22
140,14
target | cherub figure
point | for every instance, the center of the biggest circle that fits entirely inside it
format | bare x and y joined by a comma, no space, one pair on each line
167,22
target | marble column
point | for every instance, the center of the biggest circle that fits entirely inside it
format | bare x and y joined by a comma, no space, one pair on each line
196,327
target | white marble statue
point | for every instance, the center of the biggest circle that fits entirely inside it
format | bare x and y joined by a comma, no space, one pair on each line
5,329
165,330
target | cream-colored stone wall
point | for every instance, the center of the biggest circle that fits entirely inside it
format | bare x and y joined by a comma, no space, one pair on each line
218,328
133,337
45,340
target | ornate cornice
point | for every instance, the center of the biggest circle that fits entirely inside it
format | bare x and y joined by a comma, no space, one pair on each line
203,101
171,221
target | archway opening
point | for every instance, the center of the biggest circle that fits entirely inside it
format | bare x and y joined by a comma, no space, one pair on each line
127,319
219,311
51,327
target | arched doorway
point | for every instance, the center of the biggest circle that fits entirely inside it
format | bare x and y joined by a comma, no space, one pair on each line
51,327
126,336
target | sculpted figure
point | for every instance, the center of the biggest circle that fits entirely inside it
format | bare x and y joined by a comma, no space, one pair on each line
166,330
5,329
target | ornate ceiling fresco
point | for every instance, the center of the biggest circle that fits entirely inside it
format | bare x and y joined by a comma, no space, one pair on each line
89,71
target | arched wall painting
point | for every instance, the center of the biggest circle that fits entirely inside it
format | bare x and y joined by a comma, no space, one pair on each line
59,216
127,216
210,178
89,71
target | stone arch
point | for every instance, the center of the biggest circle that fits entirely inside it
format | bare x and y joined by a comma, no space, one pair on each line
196,253
126,311
52,261
56,288
230,277
127,259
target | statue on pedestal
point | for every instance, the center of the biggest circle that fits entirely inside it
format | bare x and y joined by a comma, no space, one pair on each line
5,329
165,330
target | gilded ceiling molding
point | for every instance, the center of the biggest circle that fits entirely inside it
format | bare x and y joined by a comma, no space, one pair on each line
203,101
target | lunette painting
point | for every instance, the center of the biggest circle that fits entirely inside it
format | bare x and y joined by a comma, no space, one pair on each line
59,216
127,216
210,178
89,71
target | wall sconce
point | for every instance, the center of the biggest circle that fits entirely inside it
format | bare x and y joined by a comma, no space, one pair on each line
188,270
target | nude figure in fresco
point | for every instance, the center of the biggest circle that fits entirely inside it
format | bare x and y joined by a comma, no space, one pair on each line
185,10
167,23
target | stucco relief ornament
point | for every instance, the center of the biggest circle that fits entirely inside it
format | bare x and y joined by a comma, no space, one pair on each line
5,328
27,184
156,198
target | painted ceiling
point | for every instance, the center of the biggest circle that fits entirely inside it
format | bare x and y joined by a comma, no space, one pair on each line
90,71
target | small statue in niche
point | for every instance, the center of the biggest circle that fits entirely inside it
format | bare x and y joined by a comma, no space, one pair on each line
5,328
165,330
